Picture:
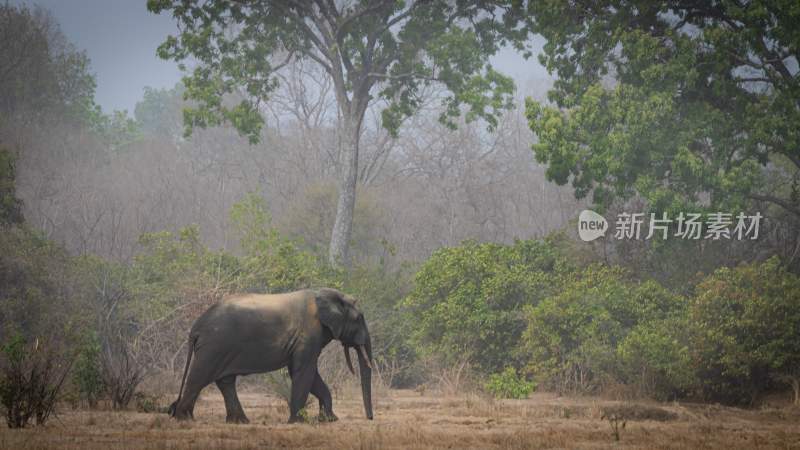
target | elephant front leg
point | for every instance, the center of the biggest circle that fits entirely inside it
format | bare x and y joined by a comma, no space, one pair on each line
321,391
233,409
302,380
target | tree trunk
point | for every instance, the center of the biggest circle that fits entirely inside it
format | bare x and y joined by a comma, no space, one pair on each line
338,253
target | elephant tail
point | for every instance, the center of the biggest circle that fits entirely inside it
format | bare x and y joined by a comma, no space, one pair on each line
174,406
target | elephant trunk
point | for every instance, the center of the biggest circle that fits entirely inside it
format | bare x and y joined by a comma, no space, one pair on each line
366,377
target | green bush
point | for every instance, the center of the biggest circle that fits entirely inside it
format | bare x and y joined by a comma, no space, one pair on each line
572,337
379,291
745,328
655,358
468,300
507,384
36,285
10,205
270,262
87,375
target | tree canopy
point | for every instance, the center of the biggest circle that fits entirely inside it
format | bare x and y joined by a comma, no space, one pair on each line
682,103
239,46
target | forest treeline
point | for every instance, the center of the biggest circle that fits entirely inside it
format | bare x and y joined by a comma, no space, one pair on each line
119,230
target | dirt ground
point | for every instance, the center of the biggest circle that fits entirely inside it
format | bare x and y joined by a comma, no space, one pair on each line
408,420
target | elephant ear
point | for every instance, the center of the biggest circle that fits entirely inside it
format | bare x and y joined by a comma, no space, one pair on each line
330,309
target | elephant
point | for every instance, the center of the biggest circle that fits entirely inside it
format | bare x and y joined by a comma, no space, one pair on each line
256,333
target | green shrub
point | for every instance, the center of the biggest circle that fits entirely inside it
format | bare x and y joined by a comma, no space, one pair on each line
572,337
468,300
655,358
10,205
87,375
745,328
507,384
271,262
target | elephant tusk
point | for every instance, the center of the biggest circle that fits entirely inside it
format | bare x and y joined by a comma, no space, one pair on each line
364,355
347,358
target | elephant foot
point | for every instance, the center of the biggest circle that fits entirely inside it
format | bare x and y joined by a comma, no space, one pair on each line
183,416
297,419
237,419
327,417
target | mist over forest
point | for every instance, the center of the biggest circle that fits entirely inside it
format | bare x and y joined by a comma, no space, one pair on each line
372,147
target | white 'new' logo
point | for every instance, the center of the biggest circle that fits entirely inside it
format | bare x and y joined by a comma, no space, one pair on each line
591,225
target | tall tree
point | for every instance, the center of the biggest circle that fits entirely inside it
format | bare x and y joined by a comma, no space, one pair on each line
683,103
387,49
42,75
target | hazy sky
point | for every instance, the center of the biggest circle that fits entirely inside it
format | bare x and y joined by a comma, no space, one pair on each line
121,37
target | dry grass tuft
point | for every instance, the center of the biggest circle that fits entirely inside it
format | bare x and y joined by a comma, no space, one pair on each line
633,411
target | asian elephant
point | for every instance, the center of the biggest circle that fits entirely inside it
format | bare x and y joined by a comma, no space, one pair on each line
253,333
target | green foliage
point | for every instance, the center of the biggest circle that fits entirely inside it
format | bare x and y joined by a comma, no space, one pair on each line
468,300
10,205
745,325
379,292
271,262
159,112
703,99
655,357
35,284
572,335
170,267
116,129
507,384
87,373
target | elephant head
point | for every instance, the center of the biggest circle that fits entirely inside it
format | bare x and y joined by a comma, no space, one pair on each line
339,314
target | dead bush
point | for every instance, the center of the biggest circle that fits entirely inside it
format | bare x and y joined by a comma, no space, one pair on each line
454,379
31,377
121,370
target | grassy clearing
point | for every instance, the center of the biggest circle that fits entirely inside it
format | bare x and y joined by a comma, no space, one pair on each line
408,420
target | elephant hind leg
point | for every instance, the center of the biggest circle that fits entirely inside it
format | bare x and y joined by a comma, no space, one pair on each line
196,380
184,409
233,409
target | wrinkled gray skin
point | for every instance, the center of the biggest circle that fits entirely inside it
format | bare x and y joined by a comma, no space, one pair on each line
252,333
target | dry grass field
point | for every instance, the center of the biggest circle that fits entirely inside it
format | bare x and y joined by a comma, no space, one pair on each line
408,420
